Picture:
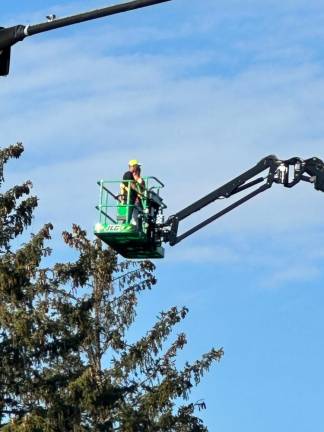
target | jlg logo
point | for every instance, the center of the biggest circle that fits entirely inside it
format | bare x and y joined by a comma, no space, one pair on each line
114,228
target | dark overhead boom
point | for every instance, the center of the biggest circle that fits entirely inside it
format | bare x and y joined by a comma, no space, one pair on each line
11,35
286,172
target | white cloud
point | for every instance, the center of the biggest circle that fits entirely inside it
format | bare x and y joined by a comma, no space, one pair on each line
297,274
271,259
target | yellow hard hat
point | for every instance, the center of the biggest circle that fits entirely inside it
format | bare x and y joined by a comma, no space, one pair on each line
133,162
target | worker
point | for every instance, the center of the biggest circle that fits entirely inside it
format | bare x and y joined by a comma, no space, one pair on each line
139,182
128,182
130,188
139,187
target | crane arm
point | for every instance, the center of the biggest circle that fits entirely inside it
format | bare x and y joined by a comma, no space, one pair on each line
286,172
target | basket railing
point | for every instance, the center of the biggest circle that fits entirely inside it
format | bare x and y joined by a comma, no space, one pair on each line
116,199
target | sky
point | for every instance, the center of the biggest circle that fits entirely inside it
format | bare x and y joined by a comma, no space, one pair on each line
199,91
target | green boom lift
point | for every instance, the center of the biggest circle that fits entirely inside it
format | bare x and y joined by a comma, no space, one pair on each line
130,227
137,229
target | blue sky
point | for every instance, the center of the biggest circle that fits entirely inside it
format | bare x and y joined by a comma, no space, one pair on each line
199,91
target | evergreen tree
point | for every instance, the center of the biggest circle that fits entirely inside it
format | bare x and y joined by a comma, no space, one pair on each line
65,362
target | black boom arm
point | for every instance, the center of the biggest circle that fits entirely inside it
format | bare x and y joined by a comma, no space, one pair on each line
11,35
286,172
